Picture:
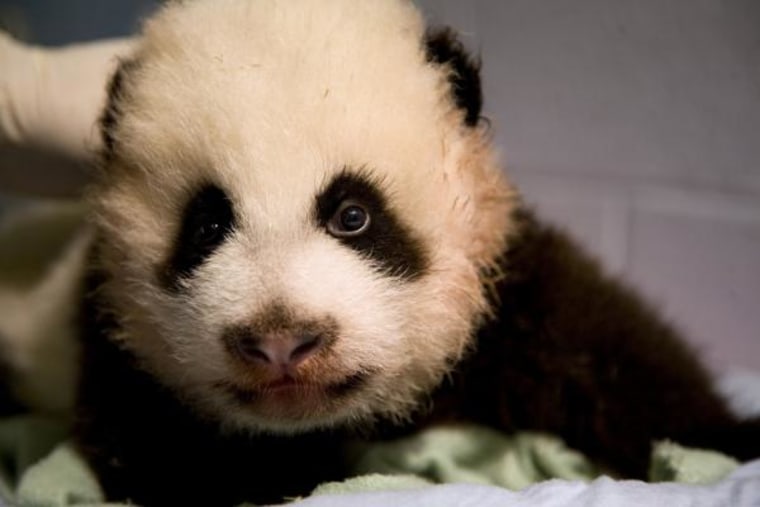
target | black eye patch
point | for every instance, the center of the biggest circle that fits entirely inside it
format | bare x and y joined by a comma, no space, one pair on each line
385,240
207,221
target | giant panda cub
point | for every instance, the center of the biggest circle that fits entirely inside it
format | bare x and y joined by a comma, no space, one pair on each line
304,240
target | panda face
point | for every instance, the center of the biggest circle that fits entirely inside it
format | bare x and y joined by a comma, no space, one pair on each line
294,215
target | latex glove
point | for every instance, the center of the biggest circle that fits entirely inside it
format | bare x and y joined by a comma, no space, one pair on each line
50,100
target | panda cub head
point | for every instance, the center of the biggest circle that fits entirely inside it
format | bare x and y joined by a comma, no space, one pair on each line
298,209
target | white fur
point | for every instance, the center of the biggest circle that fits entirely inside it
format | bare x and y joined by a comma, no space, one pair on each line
269,99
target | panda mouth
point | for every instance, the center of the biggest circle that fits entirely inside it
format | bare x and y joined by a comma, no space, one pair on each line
291,389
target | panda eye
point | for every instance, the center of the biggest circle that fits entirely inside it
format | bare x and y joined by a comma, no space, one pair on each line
208,232
351,219
208,218
207,221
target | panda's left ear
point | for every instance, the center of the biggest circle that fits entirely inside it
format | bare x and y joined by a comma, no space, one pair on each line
443,48
112,112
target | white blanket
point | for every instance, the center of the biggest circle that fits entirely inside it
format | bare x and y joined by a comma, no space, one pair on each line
740,489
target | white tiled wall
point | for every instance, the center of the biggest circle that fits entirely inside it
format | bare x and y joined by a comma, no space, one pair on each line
636,123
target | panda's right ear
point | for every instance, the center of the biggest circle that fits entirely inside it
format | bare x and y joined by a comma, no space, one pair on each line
111,115
442,47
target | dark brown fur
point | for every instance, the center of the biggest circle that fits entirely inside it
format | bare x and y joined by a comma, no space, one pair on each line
574,352
570,352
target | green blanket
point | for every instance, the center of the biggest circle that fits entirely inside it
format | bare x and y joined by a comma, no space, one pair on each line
40,468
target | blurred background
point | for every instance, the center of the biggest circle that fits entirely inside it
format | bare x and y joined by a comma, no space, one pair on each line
634,123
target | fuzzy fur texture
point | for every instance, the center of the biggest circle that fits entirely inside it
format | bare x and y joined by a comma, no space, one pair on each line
286,106
274,101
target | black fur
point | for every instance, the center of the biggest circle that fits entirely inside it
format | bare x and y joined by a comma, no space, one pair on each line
444,48
208,219
113,110
570,351
387,242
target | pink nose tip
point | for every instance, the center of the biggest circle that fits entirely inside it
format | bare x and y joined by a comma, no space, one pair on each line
282,349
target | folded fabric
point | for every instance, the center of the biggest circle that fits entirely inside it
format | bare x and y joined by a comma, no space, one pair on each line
478,455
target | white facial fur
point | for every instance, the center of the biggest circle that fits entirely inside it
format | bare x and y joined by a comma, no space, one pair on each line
269,100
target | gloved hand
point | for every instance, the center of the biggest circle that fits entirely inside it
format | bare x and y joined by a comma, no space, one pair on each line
50,99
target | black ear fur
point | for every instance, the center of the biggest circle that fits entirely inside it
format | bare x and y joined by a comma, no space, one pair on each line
444,48
112,112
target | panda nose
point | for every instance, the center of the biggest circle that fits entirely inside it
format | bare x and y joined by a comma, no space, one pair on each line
281,349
